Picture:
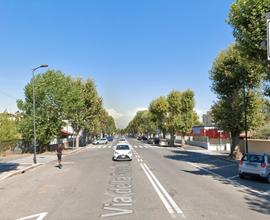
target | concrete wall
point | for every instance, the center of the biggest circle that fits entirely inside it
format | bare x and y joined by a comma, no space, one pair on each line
256,146
212,145
219,147
197,143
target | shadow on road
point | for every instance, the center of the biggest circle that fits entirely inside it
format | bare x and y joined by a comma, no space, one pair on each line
256,191
7,166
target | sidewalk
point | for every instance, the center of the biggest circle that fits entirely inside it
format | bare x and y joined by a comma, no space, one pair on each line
16,164
224,155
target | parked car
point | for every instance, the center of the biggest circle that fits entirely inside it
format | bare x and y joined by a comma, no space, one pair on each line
150,141
163,142
101,141
122,152
144,138
110,138
122,139
255,164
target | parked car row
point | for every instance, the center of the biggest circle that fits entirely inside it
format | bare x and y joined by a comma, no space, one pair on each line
155,140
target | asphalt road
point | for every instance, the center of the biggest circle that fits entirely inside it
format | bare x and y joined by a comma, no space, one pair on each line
160,183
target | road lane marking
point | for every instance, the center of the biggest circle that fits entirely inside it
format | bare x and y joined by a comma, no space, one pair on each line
165,202
145,146
206,170
232,177
39,216
135,146
225,166
109,146
170,199
99,147
140,146
230,181
104,146
94,147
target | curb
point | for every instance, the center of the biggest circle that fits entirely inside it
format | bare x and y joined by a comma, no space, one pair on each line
13,173
219,156
20,171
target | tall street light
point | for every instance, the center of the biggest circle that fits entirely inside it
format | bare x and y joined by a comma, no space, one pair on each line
34,110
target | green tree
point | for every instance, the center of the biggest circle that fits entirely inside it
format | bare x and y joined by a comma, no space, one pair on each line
180,113
263,131
230,75
50,92
147,125
9,133
83,106
159,109
247,17
174,113
187,113
196,120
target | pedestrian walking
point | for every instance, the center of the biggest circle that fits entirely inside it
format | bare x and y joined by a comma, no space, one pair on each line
59,151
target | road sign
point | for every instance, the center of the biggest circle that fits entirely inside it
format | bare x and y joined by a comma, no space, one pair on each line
268,39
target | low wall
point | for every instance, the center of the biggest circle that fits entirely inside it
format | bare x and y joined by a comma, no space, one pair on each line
256,146
219,147
197,143
210,144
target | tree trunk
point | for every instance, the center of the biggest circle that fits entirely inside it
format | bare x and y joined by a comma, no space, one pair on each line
172,140
164,134
182,140
235,147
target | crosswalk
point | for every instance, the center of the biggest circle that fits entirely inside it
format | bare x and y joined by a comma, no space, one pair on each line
133,146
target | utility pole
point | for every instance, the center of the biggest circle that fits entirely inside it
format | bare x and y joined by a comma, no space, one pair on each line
245,116
34,111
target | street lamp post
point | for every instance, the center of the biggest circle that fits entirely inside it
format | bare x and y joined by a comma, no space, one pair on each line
245,117
34,110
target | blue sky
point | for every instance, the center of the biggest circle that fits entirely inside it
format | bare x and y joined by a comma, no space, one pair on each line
135,50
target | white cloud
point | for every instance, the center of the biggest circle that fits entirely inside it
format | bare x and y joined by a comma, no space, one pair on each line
112,112
122,119
200,113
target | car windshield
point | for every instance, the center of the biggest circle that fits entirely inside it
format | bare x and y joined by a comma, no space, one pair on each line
253,158
122,147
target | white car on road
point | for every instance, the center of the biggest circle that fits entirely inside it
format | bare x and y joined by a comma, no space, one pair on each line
122,140
122,151
101,141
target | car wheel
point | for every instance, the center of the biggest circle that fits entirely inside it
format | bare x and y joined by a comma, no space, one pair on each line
241,176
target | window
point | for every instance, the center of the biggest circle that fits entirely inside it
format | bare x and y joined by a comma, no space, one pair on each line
256,158
122,147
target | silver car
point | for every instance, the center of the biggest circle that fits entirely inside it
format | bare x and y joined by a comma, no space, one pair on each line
255,164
